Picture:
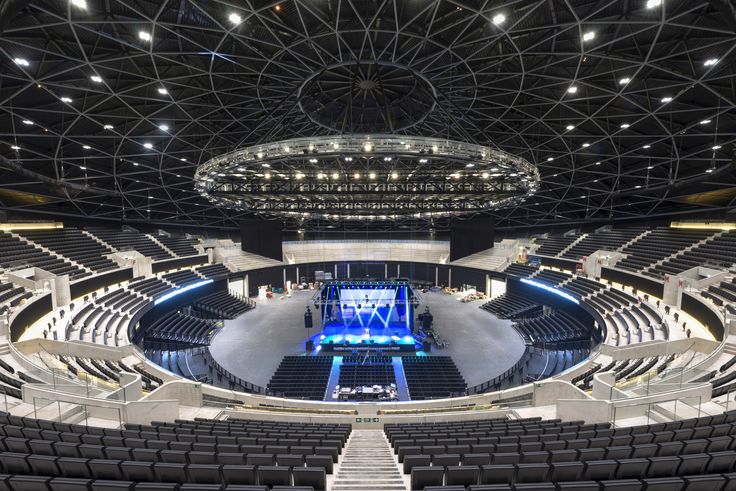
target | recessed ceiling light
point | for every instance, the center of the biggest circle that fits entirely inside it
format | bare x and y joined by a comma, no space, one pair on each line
394,175
145,36
164,127
66,99
625,125
550,159
705,121
82,167
356,176
162,91
96,78
107,127
711,62
335,175
498,19
28,122
595,180
21,61
598,163
572,89
372,175
708,170
136,164
666,99
715,147
646,146
588,36
638,186
586,145
484,175
86,147
624,81
14,147
235,18
183,159
82,4
148,145
653,3
570,127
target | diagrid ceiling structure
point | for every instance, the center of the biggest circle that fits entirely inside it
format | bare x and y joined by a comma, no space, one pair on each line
625,108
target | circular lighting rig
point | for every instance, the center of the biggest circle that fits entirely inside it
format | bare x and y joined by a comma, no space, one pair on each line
367,177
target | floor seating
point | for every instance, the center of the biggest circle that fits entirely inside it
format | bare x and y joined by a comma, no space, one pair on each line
180,327
358,371
556,327
432,377
301,377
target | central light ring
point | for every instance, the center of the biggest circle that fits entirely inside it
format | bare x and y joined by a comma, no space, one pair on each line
367,96
367,177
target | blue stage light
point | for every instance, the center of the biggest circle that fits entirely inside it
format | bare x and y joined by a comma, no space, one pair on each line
318,348
408,339
551,289
181,290
322,336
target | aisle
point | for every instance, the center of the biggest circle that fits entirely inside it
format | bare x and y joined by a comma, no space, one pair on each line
368,464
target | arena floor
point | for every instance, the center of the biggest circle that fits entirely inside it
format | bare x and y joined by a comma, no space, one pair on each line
252,346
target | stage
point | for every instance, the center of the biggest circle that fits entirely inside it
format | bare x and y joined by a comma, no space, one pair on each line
337,338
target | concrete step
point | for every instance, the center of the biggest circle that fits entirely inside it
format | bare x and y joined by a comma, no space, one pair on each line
368,464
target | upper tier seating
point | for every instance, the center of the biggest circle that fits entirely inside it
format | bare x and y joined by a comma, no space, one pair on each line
127,240
179,245
692,454
608,240
75,245
301,377
358,371
152,287
517,269
718,252
657,245
15,254
432,377
556,244
583,286
222,305
11,295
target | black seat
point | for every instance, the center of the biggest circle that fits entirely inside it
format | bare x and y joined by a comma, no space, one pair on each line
665,484
238,474
29,483
497,474
310,476
426,476
464,475
599,470
566,471
411,461
203,473
323,461
274,475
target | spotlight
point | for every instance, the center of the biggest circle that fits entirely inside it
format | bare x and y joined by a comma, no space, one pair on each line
235,18
498,19
144,36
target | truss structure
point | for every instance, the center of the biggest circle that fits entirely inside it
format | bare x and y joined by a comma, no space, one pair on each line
107,108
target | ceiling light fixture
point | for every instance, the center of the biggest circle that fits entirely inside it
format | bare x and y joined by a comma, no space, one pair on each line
711,62
235,18
143,35
96,79
498,19
705,121
569,127
28,122
148,145
653,3
588,36
164,127
667,99
624,81
572,90
82,4
107,127
162,91
66,99
21,61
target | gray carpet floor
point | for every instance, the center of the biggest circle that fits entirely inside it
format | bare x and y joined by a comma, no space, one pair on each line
252,345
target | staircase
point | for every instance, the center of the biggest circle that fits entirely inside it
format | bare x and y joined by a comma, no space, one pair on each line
368,464
161,245
572,244
632,241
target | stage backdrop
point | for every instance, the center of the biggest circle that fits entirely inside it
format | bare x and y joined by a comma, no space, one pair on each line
262,237
470,236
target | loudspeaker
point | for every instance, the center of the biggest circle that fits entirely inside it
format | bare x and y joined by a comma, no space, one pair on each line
310,345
